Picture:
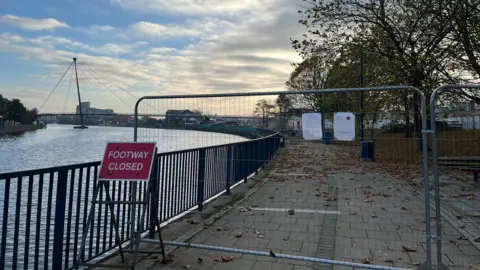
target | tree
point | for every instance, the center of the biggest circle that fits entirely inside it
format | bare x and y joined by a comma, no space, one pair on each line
264,109
412,35
284,103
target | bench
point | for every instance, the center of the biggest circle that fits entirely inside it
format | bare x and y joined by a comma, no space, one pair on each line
471,164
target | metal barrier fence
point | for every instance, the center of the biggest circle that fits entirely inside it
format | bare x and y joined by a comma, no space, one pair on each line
44,211
456,156
320,203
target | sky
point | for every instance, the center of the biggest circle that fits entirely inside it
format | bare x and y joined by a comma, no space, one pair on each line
143,47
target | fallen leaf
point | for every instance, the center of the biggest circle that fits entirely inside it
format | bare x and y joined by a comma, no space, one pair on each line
238,235
225,258
192,221
170,258
420,229
244,209
476,214
409,249
187,266
474,267
366,260
331,198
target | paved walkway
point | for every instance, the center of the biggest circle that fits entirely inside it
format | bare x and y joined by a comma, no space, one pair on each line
319,202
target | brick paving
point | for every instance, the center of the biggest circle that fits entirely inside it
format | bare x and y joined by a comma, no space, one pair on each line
339,212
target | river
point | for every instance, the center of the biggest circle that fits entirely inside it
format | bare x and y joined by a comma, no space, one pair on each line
62,145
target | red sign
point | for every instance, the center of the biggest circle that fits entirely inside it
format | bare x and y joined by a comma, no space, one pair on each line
127,161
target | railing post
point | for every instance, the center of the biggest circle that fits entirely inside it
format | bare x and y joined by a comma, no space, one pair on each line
59,226
244,159
201,180
229,168
154,198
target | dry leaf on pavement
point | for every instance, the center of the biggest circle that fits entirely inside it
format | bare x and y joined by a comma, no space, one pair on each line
225,258
476,214
244,209
474,267
420,229
192,221
409,249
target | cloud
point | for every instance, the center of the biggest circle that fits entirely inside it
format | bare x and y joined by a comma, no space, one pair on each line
101,28
32,24
221,7
158,30
233,54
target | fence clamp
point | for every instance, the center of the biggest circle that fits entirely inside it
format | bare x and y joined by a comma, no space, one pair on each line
435,237
428,131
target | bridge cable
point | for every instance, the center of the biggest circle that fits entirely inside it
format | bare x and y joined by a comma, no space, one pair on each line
124,90
68,91
91,84
106,86
53,90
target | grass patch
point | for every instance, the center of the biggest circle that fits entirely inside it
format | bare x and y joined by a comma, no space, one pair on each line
396,149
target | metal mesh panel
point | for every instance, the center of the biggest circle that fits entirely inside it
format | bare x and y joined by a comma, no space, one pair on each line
318,199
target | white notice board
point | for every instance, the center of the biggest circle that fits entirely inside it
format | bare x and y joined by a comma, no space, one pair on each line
344,126
312,126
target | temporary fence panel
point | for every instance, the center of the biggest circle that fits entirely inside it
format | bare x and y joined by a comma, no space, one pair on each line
455,121
318,203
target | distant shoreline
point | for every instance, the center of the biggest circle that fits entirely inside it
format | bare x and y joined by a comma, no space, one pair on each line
19,129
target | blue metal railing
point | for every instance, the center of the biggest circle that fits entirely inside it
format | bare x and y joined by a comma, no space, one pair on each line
44,211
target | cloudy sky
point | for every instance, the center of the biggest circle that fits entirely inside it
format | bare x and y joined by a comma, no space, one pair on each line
146,47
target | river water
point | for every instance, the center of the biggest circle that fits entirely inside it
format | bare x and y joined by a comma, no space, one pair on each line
62,145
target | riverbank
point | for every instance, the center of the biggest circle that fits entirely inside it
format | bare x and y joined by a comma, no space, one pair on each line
19,129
